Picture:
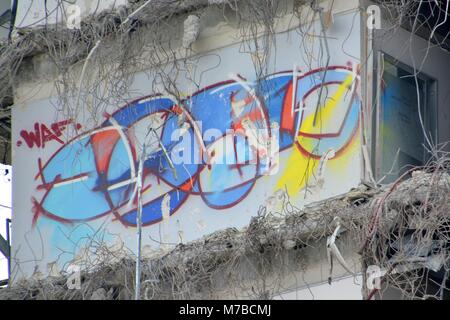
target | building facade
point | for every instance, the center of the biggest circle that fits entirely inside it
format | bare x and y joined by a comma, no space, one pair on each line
234,118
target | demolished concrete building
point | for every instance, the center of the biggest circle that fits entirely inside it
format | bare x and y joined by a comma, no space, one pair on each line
251,148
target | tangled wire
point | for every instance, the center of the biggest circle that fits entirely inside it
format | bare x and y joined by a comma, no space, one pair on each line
402,228
405,225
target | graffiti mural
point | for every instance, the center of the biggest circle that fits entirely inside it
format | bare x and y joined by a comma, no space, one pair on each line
314,114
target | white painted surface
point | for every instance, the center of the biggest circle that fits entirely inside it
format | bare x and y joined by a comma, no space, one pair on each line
35,247
347,288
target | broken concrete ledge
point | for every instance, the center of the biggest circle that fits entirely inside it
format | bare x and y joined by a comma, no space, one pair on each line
260,261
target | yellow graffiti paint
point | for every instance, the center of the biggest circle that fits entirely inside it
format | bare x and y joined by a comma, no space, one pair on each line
340,166
328,112
300,167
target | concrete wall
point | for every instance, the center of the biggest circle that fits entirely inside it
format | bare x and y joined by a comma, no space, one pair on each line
346,288
71,187
428,58
410,50
33,13
4,29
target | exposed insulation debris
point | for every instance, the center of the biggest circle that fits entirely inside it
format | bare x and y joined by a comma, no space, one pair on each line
417,209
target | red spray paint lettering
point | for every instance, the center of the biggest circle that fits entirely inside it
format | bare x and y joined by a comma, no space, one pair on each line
43,134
